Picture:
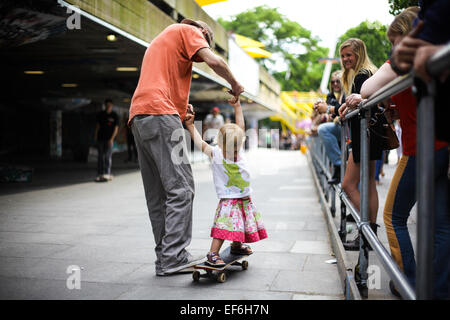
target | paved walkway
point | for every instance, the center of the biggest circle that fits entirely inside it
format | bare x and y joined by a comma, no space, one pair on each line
104,229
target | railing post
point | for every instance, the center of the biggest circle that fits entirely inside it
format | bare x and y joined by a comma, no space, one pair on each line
425,193
343,226
364,203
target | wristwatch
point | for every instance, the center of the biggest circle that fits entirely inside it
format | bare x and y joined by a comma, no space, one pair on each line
328,109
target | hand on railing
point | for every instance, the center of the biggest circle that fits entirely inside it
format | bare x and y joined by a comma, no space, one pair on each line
343,109
353,100
423,54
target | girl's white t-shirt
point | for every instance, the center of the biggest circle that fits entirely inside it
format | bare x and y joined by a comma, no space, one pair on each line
232,179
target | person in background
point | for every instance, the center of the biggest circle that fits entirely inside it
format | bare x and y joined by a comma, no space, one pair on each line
415,49
402,191
106,130
330,132
213,122
357,69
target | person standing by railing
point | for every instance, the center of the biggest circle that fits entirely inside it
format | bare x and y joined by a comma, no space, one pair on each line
357,69
402,191
330,132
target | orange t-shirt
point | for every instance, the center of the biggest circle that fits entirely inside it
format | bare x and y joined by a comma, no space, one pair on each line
166,72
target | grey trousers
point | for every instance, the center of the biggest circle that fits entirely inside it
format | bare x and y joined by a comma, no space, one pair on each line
168,185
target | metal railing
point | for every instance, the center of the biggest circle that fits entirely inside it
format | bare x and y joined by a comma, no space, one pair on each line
439,63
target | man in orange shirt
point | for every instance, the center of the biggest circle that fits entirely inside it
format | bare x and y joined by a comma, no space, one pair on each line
157,110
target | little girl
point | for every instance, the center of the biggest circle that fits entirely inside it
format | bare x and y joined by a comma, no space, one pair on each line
236,219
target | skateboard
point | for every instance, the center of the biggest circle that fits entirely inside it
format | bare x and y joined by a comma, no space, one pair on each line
229,259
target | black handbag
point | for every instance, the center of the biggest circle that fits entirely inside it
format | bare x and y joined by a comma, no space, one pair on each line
383,131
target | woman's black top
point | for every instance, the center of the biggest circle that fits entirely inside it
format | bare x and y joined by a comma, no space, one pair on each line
355,125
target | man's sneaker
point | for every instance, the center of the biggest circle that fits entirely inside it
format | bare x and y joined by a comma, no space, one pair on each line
108,177
191,261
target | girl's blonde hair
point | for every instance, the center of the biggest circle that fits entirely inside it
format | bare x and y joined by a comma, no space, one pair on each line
230,137
402,23
362,63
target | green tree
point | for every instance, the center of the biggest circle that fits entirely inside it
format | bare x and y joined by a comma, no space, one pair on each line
374,36
397,6
288,41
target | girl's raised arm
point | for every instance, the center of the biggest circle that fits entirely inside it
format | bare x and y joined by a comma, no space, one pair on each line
238,114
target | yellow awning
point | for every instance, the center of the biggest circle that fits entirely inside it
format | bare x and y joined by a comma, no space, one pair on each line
202,3
295,107
257,52
245,42
252,47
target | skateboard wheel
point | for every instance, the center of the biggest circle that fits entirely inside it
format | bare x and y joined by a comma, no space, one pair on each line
196,276
244,265
221,277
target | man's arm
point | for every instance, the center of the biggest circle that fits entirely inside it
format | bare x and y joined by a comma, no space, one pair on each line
97,127
221,68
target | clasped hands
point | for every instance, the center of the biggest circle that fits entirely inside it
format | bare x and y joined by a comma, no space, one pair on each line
351,102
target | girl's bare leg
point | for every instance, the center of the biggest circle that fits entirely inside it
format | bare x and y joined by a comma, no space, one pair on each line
216,244
350,186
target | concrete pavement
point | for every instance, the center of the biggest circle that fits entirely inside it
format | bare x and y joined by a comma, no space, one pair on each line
104,229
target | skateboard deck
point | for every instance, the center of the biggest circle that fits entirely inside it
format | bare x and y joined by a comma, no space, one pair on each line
229,259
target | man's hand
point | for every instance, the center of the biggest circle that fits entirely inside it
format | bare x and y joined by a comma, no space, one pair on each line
235,91
111,142
420,61
190,109
189,119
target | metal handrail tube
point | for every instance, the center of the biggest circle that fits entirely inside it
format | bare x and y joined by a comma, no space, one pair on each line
439,62
391,267
425,195
395,86
364,196
388,263
397,276
353,211
322,166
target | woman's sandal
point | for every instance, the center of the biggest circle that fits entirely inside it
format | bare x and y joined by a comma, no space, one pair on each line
214,260
241,250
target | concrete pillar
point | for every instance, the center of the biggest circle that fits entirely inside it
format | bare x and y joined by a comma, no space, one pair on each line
56,134
252,133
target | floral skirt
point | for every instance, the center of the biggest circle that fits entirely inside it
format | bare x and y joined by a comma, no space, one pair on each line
238,220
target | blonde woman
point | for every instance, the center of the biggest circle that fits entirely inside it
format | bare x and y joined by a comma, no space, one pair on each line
330,132
357,69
